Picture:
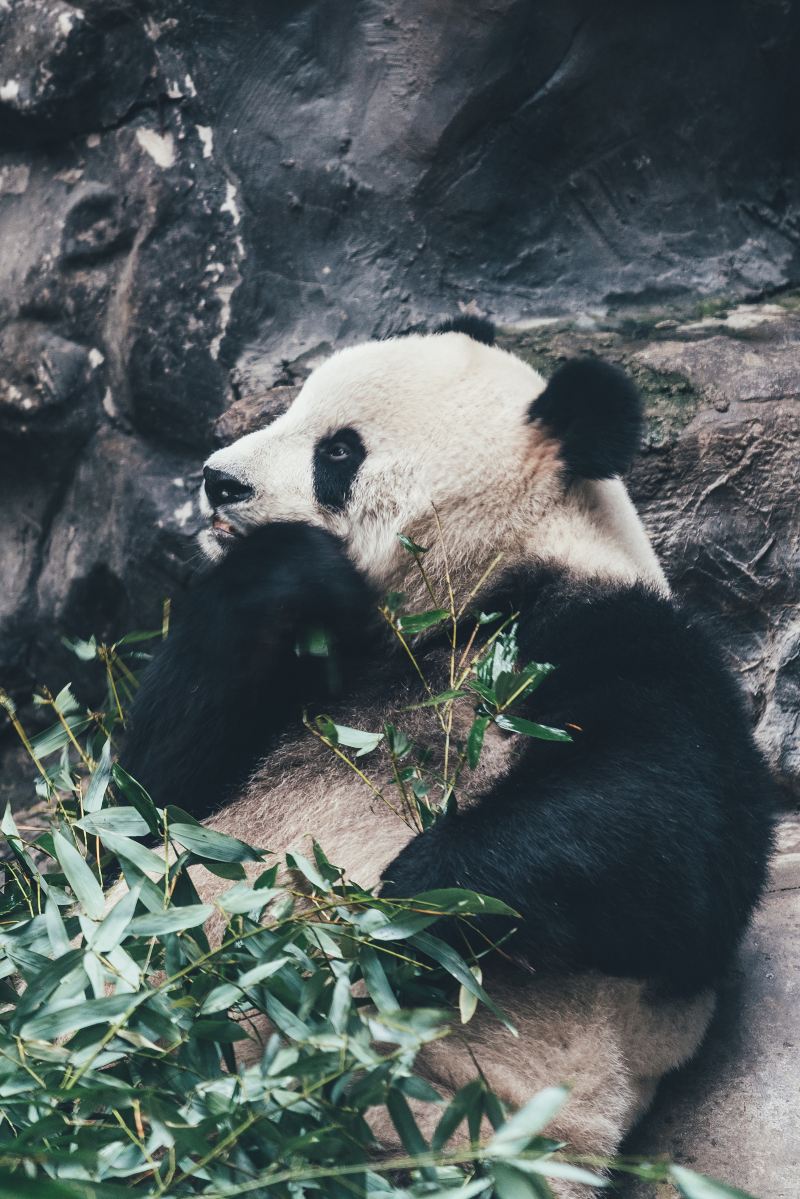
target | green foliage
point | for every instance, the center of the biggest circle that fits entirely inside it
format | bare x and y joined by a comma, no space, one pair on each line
117,1068
140,1054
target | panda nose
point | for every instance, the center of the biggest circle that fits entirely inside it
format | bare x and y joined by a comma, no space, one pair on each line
223,489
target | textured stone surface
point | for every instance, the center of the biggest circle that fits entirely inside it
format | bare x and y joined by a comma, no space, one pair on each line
718,484
67,69
252,411
735,1113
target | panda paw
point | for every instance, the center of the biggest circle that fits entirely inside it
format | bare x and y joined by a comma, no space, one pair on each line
292,567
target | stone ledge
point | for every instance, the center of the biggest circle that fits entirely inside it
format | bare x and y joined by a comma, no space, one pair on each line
734,1113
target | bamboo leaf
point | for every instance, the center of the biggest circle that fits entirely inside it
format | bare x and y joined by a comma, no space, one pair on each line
401,925
285,1019
407,1129
98,783
475,739
542,732
340,1003
517,1133
455,965
174,920
56,932
137,796
377,983
207,843
222,1032
436,700
297,861
410,545
42,984
421,621
552,1168
85,650
127,850
80,1014
362,742
17,1186
220,998
468,1000
136,637
124,820
695,1186
257,974
241,900
85,886
462,1103
56,736
110,932
510,1183
456,901
65,702
398,742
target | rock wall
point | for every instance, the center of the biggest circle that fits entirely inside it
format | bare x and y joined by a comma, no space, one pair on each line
199,199
718,482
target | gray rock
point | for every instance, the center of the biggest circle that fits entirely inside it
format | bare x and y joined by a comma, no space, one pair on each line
141,514
66,69
97,223
755,371
252,412
733,1112
718,485
725,521
46,384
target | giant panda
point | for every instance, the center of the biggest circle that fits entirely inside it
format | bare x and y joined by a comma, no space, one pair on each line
635,854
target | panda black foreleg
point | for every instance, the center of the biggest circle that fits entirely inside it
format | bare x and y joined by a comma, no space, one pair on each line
497,857
599,883
229,677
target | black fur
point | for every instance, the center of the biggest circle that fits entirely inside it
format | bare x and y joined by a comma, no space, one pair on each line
476,327
595,412
334,476
639,850
228,679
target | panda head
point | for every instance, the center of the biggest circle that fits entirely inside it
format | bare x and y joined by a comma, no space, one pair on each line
451,440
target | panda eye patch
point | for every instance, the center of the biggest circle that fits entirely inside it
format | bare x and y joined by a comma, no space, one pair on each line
336,462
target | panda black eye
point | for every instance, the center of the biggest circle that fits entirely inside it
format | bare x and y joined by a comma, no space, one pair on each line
336,462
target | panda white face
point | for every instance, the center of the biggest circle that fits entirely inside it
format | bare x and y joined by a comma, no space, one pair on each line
386,437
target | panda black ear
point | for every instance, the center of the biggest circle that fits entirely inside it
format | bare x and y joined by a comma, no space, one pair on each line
596,413
476,327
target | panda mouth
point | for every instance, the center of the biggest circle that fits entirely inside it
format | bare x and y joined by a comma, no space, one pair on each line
223,530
